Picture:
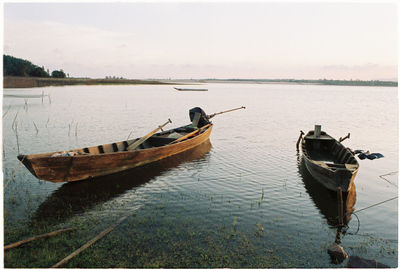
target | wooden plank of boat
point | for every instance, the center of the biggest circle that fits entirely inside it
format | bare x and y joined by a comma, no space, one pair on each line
190,89
90,162
328,160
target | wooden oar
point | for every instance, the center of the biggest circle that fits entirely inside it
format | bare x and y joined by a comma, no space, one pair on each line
190,134
144,138
215,114
19,243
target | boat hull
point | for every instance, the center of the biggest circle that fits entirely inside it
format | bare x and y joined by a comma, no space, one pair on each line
331,180
329,162
82,167
190,90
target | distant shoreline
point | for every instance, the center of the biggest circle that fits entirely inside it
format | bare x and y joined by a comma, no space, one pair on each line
32,82
376,83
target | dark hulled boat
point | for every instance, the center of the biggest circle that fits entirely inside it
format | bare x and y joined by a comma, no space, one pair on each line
328,160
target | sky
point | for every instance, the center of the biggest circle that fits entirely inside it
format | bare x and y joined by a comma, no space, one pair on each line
182,40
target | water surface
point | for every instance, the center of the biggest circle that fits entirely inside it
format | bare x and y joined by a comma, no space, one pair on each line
244,199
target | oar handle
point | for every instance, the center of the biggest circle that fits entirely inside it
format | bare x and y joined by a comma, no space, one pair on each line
226,111
137,143
161,126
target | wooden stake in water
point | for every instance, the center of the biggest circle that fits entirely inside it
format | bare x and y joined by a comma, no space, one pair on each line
340,205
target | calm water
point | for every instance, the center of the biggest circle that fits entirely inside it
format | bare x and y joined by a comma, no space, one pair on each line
244,199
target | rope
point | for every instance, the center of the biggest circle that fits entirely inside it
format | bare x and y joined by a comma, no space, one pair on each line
358,226
354,213
388,174
375,204
13,174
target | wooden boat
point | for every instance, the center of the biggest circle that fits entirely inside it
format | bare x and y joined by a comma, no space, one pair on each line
327,201
188,89
328,161
90,162
71,199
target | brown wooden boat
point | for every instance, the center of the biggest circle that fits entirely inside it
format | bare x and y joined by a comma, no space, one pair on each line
95,161
190,89
328,160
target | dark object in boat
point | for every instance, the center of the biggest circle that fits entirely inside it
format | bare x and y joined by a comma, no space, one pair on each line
187,89
328,161
90,162
198,116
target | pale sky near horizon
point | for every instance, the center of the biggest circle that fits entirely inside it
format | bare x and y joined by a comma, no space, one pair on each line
207,40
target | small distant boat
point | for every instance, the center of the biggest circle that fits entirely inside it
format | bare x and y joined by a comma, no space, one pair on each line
328,160
189,89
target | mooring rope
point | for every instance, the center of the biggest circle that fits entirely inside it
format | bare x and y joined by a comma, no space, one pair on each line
375,204
13,174
389,174
354,213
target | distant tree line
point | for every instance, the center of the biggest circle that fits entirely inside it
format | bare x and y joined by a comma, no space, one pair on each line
13,66
321,81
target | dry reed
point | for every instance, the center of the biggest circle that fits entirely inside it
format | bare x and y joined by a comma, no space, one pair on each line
34,124
76,129
16,135
26,104
5,113
15,118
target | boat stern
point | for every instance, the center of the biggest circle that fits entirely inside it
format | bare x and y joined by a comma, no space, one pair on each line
25,160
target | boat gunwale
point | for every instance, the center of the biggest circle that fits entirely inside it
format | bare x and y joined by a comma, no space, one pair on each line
323,164
48,155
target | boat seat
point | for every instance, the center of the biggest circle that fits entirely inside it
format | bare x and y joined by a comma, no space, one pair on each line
321,137
322,164
335,165
351,167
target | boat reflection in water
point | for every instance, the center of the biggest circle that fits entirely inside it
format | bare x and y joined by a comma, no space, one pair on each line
77,197
327,201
